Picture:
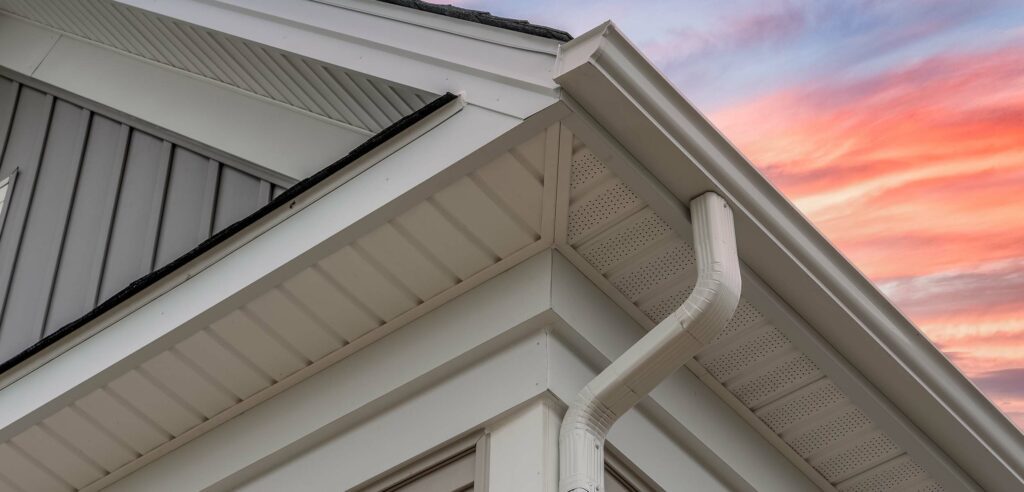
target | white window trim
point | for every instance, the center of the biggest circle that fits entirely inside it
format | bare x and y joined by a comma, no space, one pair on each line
6,189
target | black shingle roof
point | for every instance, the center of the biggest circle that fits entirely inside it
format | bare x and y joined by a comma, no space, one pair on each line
486,18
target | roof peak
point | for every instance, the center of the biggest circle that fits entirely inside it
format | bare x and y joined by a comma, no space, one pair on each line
486,18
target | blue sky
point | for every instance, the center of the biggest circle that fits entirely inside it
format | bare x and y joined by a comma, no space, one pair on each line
721,52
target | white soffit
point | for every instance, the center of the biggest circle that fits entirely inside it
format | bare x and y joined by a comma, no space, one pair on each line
641,261
360,101
426,253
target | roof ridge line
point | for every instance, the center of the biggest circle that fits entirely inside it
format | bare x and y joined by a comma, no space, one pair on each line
483,17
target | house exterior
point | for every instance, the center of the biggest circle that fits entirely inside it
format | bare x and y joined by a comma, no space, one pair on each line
388,245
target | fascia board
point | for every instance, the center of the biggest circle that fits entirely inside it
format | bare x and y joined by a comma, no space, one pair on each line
506,79
467,29
622,91
402,173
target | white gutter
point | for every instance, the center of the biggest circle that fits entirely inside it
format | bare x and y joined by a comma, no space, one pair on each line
890,368
658,354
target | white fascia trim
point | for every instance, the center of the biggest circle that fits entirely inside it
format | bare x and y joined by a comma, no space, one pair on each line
467,29
506,79
400,173
785,250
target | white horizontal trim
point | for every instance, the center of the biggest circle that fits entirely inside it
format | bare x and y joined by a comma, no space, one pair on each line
467,29
506,79
625,94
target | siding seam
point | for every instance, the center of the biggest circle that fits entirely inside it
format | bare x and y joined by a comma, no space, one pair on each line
58,250
8,276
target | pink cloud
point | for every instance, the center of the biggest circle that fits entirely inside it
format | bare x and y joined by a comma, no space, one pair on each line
917,176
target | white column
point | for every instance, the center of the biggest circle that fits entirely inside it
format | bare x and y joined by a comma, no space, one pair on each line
523,448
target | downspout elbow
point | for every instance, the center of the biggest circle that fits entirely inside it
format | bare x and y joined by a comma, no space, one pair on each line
662,351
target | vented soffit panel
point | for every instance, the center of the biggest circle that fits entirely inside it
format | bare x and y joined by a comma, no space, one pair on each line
364,103
641,260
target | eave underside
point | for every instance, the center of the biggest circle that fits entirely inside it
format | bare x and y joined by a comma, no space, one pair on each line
535,190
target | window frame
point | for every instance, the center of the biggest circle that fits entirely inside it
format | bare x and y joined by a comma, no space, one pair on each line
473,446
6,193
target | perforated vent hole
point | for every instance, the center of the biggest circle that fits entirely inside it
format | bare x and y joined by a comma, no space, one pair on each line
641,232
595,213
830,432
929,487
654,271
586,167
893,475
788,373
860,456
746,315
815,398
745,352
664,307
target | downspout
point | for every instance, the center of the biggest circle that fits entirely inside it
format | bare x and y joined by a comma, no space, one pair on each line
658,354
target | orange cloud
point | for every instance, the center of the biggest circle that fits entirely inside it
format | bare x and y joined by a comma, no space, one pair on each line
917,175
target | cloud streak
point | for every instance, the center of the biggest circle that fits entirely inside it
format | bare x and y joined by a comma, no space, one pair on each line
924,157
916,174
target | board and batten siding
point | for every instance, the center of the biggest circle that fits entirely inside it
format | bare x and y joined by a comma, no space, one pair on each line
94,204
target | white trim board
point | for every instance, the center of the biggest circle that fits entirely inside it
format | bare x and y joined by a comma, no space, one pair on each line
364,38
467,29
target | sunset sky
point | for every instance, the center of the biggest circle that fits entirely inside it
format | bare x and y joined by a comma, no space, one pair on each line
896,126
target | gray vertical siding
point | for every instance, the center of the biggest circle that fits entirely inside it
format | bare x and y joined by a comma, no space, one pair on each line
96,204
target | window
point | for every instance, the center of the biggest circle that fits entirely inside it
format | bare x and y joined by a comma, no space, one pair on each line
5,186
453,468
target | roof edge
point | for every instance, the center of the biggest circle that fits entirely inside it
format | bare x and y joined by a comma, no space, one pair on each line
280,201
485,18
641,88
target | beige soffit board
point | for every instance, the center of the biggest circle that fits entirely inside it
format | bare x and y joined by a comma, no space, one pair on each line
633,253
